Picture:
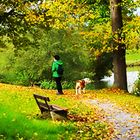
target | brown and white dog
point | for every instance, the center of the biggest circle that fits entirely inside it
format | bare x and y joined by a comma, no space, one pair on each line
81,85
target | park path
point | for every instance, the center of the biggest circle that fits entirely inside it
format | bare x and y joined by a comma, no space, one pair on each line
126,125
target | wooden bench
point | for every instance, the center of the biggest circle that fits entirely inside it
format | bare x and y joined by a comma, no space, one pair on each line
55,111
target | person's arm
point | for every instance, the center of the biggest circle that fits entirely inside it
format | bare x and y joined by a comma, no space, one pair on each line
53,67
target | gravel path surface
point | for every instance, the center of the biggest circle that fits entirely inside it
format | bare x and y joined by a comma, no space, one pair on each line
126,125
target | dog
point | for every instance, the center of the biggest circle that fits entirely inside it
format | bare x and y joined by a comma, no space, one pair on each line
81,85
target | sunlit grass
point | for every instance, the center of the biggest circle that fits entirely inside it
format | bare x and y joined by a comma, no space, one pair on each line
135,68
20,115
16,126
23,116
132,56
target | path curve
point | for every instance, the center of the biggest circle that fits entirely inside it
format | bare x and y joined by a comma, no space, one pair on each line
126,125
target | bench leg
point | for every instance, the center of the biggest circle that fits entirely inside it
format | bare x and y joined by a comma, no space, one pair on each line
59,117
46,115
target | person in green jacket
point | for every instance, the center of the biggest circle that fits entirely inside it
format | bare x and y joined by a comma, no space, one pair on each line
57,76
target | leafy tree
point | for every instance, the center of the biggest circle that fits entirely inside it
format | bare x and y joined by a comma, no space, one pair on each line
121,38
91,19
119,62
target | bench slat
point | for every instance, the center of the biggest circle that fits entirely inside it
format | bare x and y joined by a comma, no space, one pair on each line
58,107
41,97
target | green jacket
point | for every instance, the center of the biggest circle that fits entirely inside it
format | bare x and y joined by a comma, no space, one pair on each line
55,67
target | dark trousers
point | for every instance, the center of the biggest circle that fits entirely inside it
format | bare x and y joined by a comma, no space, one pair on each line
58,84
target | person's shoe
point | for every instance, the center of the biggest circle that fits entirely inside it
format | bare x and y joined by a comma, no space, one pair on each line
59,93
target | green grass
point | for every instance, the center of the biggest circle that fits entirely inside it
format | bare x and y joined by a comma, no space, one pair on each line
15,126
132,56
134,68
20,116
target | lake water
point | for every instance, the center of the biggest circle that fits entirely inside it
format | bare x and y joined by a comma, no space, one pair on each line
132,76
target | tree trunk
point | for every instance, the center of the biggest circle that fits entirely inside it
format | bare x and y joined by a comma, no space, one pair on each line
119,63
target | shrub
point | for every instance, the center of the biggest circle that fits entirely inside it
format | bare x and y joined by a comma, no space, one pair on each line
136,88
102,66
47,84
52,85
68,85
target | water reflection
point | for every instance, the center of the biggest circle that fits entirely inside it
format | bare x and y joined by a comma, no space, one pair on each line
131,78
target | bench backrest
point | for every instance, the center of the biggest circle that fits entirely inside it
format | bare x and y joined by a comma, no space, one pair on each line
42,102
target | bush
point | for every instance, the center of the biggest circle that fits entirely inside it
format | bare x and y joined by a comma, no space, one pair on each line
136,88
52,85
47,84
68,85
102,66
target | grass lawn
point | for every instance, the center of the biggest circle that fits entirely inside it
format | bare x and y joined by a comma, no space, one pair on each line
132,56
20,117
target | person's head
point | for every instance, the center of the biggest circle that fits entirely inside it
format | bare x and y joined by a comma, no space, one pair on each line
56,57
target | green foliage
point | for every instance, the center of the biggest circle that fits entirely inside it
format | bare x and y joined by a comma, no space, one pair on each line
68,85
76,30
26,68
91,86
31,65
52,85
102,66
47,84
136,88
